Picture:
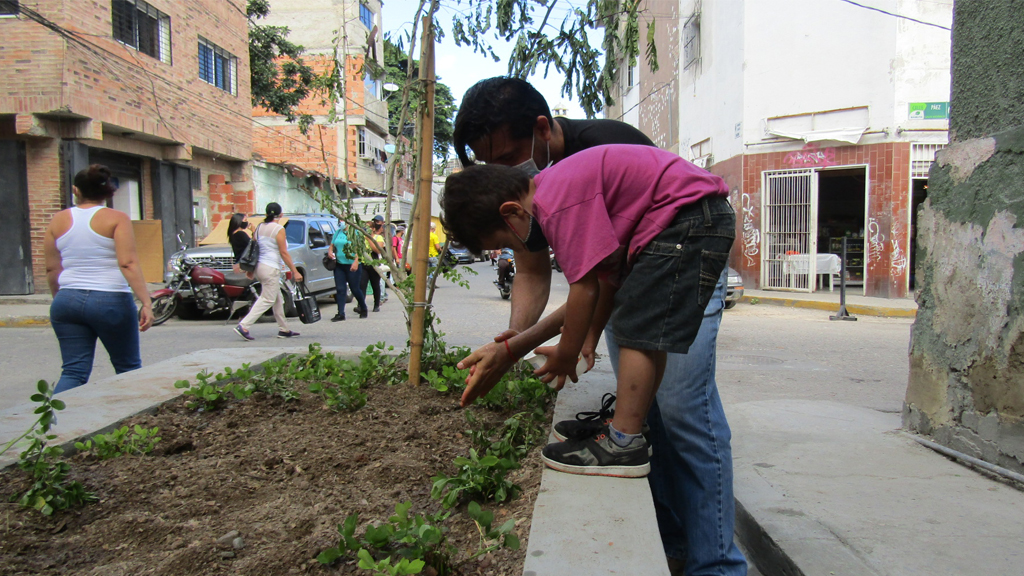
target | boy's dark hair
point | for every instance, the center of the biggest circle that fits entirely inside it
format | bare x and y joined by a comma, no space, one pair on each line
473,197
95,183
495,102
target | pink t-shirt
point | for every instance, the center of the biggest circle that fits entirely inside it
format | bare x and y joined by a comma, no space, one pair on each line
606,198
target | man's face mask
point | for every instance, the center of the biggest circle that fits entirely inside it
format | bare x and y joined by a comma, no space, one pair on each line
530,167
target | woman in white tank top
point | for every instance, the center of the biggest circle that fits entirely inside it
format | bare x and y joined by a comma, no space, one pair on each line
273,257
92,269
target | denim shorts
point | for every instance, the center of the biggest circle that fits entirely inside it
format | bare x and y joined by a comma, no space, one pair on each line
661,303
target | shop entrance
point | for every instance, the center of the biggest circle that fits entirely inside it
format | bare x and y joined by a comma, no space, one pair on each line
842,194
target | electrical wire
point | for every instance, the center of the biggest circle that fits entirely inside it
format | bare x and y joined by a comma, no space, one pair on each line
872,8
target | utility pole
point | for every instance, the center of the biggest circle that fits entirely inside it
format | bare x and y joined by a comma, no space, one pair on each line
421,218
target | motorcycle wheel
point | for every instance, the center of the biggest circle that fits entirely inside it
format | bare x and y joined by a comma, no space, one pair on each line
163,308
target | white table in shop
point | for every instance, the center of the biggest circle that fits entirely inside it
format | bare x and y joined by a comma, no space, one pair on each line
829,264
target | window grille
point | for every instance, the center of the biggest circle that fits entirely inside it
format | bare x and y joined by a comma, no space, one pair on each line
361,142
217,66
197,179
921,158
691,41
138,25
366,16
9,7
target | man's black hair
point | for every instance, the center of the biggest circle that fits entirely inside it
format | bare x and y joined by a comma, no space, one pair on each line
495,102
472,200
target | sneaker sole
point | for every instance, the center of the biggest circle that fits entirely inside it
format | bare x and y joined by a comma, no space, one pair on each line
561,438
611,471
242,336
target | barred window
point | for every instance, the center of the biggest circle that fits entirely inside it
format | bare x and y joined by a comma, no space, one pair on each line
366,16
691,41
138,25
218,66
8,7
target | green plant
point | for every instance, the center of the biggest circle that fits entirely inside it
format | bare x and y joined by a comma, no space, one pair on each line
449,378
491,538
518,434
477,477
122,443
50,489
211,391
518,389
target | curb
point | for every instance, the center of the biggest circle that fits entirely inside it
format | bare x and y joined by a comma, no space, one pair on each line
24,321
855,309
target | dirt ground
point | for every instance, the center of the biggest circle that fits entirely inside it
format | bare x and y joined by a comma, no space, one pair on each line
283,475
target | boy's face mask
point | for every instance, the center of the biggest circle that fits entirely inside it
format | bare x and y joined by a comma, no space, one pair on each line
530,166
535,240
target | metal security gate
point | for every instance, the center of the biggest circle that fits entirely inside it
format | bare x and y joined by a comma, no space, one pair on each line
15,229
789,221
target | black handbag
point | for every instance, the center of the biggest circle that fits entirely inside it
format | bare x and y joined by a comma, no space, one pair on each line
305,303
330,263
250,257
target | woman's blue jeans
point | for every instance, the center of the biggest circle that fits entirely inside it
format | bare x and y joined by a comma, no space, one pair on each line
691,466
345,278
79,317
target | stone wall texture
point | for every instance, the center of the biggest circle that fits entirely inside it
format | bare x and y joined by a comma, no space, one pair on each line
966,383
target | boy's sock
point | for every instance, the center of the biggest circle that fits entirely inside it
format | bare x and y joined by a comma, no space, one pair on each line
621,439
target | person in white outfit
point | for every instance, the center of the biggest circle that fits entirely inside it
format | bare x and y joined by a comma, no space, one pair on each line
92,269
273,257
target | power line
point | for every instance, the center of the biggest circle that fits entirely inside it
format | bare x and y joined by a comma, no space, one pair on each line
872,8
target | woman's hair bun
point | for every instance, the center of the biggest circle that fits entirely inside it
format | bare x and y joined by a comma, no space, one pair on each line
96,182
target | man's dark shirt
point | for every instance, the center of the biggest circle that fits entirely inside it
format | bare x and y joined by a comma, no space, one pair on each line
582,134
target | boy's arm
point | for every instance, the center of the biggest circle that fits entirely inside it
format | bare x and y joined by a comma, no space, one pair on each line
579,314
605,303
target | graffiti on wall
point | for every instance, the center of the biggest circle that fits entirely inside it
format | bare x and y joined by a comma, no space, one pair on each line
810,156
876,241
898,256
751,235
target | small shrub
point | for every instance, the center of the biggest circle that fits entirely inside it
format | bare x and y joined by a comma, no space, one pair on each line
121,443
478,477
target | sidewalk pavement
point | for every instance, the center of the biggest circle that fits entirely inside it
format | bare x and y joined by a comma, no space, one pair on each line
856,305
33,310
822,488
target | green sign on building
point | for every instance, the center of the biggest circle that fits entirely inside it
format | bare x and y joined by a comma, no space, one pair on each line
929,110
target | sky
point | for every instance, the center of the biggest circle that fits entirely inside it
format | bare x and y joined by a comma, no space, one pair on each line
459,67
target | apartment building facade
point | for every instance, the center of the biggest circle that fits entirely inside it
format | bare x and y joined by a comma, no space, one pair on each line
157,90
823,118
348,141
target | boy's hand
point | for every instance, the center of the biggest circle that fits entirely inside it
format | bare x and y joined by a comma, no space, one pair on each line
486,365
557,366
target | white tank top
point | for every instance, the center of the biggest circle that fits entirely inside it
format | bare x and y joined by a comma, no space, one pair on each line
270,254
89,259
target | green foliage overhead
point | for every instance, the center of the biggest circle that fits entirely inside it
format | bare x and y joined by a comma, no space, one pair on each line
553,37
280,79
396,70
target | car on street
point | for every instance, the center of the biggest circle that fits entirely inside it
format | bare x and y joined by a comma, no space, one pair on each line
734,289
461,254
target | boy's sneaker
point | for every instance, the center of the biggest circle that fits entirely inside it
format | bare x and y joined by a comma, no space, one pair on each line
243,333
586,423
287,333
597,455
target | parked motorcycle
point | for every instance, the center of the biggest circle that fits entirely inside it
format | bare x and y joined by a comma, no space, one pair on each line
200,289
506,289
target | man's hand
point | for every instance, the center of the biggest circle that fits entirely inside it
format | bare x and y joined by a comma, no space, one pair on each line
486,365
558,366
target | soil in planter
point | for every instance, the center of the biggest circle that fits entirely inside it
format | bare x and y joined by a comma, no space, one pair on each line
282,475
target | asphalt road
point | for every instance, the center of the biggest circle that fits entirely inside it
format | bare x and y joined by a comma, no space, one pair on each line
765,352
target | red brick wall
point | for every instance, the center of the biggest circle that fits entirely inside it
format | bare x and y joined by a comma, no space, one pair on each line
44,199
885,237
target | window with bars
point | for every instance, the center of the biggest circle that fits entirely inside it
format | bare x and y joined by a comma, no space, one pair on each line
138,25
9,7
691,41
366,16
217,66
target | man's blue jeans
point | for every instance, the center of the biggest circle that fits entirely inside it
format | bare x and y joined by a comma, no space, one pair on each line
691,466
79,317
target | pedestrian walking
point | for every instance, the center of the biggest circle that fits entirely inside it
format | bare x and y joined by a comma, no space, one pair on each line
347,274
274,256
239,238
371,277
92,269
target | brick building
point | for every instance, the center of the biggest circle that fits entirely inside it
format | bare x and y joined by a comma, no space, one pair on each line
158,90
349,139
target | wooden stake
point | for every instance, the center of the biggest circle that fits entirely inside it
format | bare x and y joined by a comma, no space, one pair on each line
421,219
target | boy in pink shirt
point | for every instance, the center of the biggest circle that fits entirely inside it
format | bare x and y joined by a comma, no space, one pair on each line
642,237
